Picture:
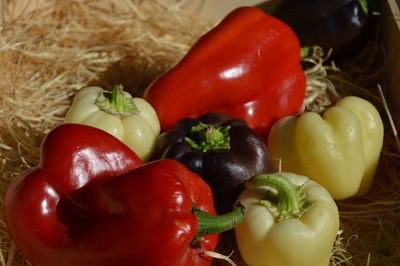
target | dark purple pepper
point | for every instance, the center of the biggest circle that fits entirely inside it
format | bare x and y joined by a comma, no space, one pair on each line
223,150
326,23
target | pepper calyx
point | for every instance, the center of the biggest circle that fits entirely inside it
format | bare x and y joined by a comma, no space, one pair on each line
207,137
216,224
289,201
117,102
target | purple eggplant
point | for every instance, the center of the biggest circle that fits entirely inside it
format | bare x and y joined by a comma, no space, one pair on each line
223,150
326,23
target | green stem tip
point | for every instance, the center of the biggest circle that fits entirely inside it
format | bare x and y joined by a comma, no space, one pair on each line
289,202
364,5
207,137
117,102
305,51
216,224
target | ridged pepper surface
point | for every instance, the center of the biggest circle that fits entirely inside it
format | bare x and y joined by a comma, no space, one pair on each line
339,149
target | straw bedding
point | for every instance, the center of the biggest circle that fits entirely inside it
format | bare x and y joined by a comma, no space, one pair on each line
59,47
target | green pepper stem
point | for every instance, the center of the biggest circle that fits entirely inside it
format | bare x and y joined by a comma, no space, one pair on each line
290,202
216,224
305,51
364,6
207,137
117,102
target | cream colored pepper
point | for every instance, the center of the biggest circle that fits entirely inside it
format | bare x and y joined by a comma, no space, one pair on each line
294,224
131,120
340,149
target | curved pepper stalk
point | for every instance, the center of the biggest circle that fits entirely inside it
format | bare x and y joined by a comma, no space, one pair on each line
210,224
291,202
290,220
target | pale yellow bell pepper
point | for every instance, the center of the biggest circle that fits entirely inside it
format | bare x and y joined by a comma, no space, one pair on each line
290,220
131,120
340,149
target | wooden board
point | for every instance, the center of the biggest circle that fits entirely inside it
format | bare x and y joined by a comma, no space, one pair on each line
391,44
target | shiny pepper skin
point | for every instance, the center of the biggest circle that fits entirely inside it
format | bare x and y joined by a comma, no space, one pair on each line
91,202
290,221
248,66
130,119
339,149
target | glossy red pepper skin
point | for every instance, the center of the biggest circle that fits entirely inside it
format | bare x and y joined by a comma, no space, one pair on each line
72,156
154,205
89,203
248,66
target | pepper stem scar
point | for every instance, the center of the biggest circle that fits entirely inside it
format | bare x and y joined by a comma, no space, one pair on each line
207,137
117,102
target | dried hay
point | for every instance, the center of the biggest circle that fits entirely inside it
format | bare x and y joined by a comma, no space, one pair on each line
63,46
370,232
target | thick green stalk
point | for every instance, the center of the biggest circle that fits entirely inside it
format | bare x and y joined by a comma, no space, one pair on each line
213,224
290,201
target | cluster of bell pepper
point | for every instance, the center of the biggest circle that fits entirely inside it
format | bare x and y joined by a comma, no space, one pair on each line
154,180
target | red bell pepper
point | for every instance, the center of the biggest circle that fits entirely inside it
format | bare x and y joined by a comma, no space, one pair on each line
89,203
248,66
